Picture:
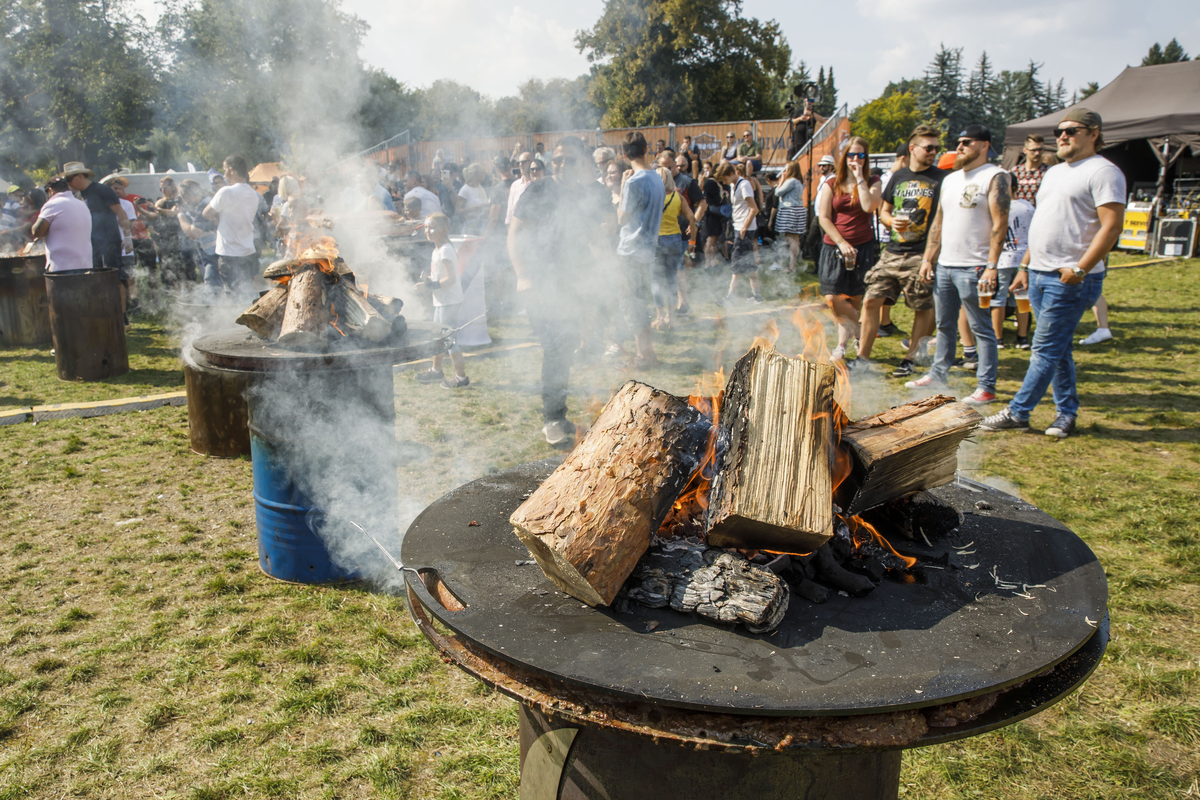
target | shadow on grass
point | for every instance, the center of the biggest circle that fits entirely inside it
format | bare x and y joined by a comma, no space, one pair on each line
1143,435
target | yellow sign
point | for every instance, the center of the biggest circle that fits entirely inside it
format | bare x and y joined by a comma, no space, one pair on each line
1133,231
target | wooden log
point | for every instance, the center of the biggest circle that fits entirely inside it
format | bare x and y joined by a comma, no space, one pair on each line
354,308
772,486
904,449
720,585
285,267
265,316
306,313
593,518
388,307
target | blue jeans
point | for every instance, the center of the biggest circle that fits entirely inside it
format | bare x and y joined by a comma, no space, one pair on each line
664,280
958,287
1058,307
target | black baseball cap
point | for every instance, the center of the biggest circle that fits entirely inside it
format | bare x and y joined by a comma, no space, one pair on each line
902,150
978,132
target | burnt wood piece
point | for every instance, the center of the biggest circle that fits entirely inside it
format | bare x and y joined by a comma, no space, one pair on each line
388,307
306,315
829,571
285,267
716,584
360,314
265,316
902,450
771,487
593,518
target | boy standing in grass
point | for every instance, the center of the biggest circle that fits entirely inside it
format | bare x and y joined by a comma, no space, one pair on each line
442,281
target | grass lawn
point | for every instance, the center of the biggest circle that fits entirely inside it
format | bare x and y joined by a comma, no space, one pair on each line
144,654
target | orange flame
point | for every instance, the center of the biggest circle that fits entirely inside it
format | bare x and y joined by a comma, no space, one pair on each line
334,321
768,337
858,524
692,503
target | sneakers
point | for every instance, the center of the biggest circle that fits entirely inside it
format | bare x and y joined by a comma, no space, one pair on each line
1000,344
1064,425
926,382
757,299
727,300
455,382
837,354
969,362
958,362
859,365
979,397
891,330
684,311
1022,342
1100,335
1003,421
558,432
904,370
430,376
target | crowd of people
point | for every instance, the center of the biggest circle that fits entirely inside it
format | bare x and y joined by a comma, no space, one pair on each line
596,245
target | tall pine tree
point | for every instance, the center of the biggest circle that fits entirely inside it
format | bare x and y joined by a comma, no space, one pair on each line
942,94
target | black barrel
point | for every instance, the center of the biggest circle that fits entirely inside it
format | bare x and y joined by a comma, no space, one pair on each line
24,313
218,424
88,327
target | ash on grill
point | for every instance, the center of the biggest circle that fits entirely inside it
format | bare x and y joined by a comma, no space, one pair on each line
317,304
726,506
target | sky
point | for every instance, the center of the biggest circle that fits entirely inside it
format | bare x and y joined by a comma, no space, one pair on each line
494,47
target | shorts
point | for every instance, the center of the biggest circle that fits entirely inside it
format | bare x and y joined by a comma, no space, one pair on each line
742,257
447,316
895,275
1004,279
836,279
713,225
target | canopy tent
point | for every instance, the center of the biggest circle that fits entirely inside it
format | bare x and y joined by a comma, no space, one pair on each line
267,170
1159,104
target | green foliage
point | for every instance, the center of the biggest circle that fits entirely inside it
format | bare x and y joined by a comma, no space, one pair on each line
1170,54
666,60
887,121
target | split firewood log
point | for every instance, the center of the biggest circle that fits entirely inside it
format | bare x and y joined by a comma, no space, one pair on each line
359,313
285,267
904,449
772,486
720,585
265,316
593,518
388,307
306,315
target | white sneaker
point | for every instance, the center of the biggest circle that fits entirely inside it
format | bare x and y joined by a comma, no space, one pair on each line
558,432
838,354
1100,335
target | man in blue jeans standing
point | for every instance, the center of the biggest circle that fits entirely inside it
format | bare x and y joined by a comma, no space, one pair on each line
965,241
1080,207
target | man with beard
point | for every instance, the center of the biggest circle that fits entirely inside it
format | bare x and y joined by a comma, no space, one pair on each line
555,242
909,201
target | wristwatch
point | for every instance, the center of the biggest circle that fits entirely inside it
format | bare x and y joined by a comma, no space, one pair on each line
1079,273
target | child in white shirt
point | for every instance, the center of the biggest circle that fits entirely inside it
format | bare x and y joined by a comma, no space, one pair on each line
442,280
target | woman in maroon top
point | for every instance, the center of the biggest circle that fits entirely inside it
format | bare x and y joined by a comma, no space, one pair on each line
846,205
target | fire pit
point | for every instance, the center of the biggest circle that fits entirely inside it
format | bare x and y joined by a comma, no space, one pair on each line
24,308
303,407
1009,616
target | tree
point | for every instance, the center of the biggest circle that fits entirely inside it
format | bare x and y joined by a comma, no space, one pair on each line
1170,54
388,108
1089,90
555,105
886,122
828,103
78,83
678,60
942,95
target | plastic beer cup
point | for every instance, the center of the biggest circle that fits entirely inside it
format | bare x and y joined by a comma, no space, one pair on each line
1022,298
985,295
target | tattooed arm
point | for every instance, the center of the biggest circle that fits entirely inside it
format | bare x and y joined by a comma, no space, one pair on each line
933,246
999,200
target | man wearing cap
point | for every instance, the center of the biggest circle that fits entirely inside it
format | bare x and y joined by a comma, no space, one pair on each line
108,218
1080,208
234,208
12,205
965,242
66,225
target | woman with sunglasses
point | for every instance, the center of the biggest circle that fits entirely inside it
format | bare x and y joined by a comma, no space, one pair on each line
849,248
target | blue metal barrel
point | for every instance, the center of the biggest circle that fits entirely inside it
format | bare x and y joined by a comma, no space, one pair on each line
288,545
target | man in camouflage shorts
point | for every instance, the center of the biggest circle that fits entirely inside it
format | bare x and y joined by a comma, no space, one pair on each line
909,202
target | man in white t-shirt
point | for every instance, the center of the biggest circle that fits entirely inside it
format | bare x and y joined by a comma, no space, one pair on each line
745,233
414,188
1080,208
965,242
234,208
66,224
519,185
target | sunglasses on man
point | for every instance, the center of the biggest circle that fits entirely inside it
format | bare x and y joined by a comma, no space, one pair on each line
1071,131
561,160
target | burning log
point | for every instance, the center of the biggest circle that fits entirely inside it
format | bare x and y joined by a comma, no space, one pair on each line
358,312
593,518
772,487
265,317
717,584
388,307
306,315
905,449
